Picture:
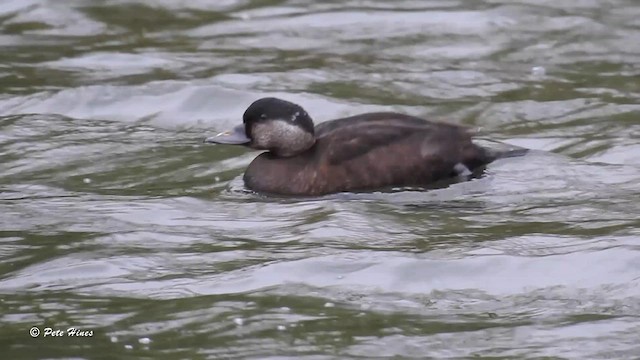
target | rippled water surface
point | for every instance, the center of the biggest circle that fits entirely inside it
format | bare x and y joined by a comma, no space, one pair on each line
115,219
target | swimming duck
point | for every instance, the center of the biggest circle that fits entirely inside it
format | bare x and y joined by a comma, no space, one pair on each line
364,152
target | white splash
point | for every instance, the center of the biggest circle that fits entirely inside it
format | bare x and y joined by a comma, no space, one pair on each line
538,71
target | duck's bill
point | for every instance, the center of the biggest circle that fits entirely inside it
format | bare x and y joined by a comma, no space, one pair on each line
235,136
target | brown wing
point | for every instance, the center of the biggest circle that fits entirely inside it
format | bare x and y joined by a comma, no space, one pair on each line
345,146
350,138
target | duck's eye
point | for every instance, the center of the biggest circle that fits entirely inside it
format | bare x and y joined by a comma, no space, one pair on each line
263,117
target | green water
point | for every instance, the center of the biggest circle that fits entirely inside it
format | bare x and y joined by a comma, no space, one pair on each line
116,219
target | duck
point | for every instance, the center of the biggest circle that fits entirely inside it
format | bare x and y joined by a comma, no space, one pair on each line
360,153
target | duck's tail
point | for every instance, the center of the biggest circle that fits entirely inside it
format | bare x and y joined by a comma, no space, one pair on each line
502,154
496,150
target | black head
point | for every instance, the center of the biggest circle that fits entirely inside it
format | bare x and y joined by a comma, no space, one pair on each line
282,127
271,109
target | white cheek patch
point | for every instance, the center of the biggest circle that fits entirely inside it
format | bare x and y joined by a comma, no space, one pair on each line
295,116
281,136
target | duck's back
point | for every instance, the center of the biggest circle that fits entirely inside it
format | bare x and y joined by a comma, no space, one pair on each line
369,152
350,137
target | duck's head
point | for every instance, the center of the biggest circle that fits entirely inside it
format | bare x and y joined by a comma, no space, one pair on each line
276,125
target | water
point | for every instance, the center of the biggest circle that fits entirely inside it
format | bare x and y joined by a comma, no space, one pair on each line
116,220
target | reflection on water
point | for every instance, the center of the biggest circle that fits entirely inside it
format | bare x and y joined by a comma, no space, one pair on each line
116,219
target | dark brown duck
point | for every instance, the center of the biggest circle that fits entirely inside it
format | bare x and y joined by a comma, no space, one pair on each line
358,153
